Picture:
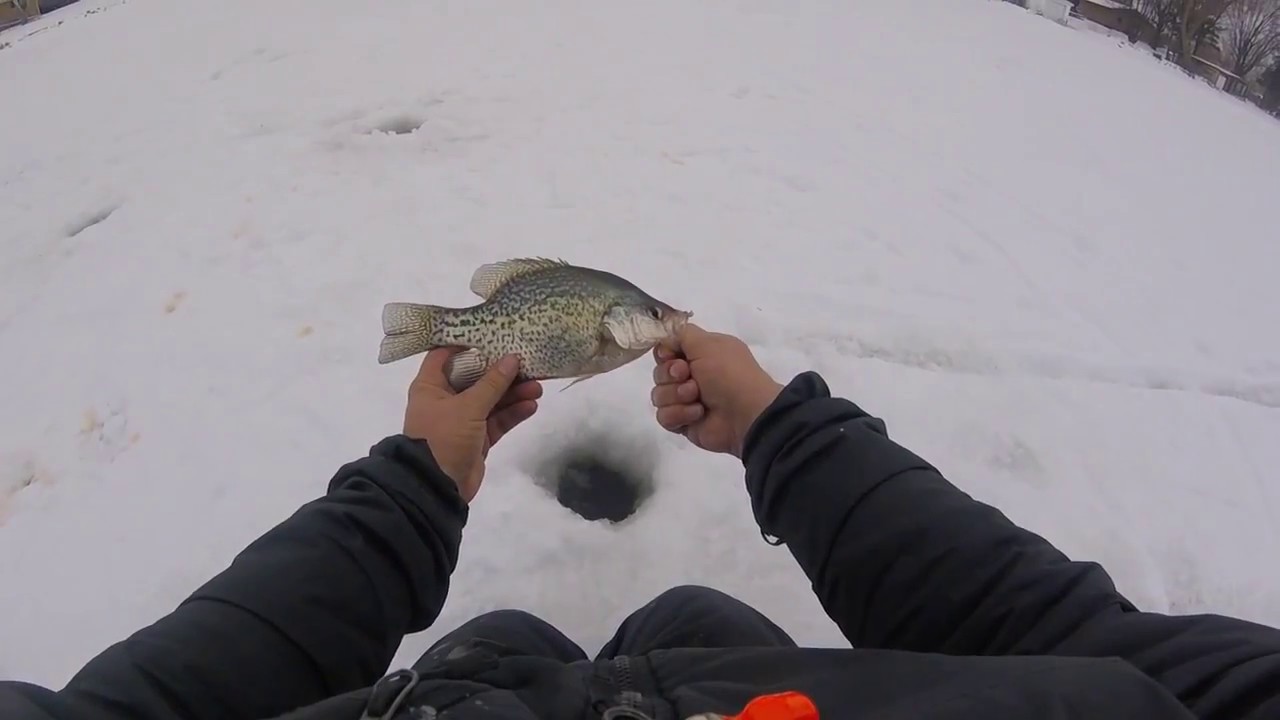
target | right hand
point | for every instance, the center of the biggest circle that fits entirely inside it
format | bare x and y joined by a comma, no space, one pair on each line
710,389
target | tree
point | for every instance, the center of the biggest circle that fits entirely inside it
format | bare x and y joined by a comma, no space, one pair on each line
1197,22
1251,34
1271,84
1162,14
1184,24
1209,33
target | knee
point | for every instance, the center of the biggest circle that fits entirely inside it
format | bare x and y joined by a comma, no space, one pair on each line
503,627
509,618
498,622
509,615
688,596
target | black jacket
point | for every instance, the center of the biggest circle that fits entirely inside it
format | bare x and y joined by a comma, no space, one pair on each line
955,611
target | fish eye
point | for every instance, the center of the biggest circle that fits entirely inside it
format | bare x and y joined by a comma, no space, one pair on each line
655,313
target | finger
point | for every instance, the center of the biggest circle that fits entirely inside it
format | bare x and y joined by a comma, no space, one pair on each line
660,373
674,371
679,371
677,417
505,420
663,353
431,371
682,394
527,390
490,388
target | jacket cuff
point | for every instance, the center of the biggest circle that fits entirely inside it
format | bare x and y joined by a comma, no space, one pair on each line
803,388
418,479
404,470
810,453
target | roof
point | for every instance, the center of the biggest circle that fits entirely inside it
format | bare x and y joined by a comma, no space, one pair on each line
1215,66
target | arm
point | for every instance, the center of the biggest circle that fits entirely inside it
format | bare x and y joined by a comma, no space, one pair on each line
902,559
315,607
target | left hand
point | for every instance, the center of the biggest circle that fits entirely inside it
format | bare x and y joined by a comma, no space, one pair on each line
460,428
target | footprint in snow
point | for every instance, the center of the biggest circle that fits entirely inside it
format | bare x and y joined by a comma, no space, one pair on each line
174,301
105,434
404,121
18,471
399,124
1018,459
430,130
89,219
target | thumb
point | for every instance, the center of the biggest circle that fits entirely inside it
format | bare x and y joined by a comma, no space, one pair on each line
488,390
690,338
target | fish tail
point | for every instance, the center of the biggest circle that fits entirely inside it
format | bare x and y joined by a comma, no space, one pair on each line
409,329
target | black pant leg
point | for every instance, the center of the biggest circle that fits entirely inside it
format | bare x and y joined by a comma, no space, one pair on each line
516,630
690,616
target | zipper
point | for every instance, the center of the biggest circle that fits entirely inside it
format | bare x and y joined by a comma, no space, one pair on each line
628,697
626,681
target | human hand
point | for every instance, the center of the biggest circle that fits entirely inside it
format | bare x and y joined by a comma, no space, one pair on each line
460,428
711,389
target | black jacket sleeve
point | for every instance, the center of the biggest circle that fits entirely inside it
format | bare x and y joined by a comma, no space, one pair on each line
315,607
902,559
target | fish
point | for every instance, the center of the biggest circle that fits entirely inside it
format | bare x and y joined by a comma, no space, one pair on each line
564,322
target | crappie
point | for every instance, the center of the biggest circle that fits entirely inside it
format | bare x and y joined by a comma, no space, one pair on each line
564,321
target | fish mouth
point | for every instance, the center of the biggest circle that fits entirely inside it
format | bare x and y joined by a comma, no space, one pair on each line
676,319
674,322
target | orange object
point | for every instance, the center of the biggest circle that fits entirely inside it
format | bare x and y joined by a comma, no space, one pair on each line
782,706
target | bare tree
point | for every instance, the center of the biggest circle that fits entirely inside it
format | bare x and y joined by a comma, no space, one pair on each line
1271,88
1196,19
1251,34
1162,14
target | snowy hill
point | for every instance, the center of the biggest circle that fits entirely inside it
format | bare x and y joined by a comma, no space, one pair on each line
1043,257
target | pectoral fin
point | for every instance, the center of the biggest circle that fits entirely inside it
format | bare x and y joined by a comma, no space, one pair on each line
608,356
578,380
464,369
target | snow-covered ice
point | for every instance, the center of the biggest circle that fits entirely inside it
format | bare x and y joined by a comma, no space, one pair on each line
1039,253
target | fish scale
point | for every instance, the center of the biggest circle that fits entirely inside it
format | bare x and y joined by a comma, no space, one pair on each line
562,320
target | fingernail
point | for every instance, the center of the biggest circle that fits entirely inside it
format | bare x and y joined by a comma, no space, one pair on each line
509,364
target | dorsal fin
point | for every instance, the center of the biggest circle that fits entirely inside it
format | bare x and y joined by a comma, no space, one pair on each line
490,277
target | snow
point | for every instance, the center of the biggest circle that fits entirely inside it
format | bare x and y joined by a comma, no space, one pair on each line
1042,256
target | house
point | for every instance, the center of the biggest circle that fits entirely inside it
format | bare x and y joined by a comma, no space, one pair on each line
1056,10
1207,62
1118,15
16,12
